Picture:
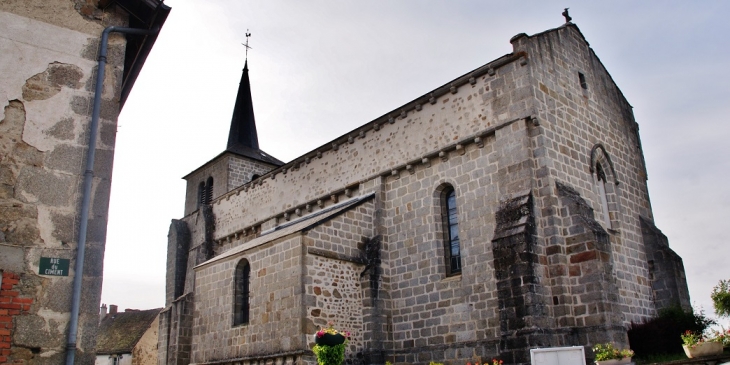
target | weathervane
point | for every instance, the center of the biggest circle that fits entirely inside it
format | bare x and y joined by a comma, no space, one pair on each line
246,44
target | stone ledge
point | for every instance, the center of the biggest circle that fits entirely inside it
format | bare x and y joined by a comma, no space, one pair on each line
263,357
335,255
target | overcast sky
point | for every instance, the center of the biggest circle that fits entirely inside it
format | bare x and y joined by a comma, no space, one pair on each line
322,68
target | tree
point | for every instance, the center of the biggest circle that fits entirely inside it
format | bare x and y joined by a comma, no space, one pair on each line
721,298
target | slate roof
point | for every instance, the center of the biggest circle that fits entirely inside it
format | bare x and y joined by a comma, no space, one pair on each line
301,224
242,137
120,332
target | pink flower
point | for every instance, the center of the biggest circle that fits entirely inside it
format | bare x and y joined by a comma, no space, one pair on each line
320,334
347,334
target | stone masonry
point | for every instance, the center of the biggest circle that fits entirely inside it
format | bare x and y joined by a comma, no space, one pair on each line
48,72
554,224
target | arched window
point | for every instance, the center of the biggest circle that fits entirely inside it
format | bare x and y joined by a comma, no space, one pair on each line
601,176
452,246
607,185
241,306
255,176
209,190
205,192
201,194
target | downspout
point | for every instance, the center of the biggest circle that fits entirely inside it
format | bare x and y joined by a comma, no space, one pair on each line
88,179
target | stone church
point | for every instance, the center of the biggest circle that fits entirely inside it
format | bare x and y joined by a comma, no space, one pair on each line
503,211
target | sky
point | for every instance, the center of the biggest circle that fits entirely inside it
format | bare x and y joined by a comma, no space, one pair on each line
319,69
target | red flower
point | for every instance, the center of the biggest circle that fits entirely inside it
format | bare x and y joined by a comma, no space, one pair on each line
320,334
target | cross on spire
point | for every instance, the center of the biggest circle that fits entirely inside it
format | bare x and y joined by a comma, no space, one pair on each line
248,34
565,14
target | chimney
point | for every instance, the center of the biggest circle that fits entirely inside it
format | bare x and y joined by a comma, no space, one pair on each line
112,309
102,312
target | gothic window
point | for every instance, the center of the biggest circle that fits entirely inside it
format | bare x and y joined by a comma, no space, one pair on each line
241,293
452,247
601,176
607,184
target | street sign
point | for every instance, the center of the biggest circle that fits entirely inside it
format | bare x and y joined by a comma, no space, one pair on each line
53,266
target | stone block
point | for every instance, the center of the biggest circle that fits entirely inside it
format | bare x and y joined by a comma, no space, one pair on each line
34,331
39,185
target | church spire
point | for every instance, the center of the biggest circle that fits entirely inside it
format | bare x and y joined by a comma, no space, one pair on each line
242,137
243,134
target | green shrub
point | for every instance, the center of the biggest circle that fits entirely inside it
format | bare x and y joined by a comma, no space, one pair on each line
721,298
330,355
662,334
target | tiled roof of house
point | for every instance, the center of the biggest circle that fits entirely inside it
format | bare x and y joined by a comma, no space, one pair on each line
120,332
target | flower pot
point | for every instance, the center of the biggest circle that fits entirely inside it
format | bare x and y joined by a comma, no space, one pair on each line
703,349
329,339
622,361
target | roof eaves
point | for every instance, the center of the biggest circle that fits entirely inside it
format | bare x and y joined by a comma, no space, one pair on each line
300,225
390,117
145,14
115,329
214,159
575,27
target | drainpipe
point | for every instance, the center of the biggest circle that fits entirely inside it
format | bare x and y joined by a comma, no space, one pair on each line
88,179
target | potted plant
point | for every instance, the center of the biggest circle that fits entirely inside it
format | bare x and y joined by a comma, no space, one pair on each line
696,345
722,337
606,354
330,345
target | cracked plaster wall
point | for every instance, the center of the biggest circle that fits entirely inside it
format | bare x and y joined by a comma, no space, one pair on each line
47,76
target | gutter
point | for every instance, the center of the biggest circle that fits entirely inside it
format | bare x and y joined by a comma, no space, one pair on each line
88,179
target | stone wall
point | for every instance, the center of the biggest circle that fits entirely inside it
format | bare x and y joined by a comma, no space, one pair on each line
228,171
668,279
178,246
175,331
47,77
436,316
242,170
573,121
13,304
334,284
377,149
145,351
218,170
275,305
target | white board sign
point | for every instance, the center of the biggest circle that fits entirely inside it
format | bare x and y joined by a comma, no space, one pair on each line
558,356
